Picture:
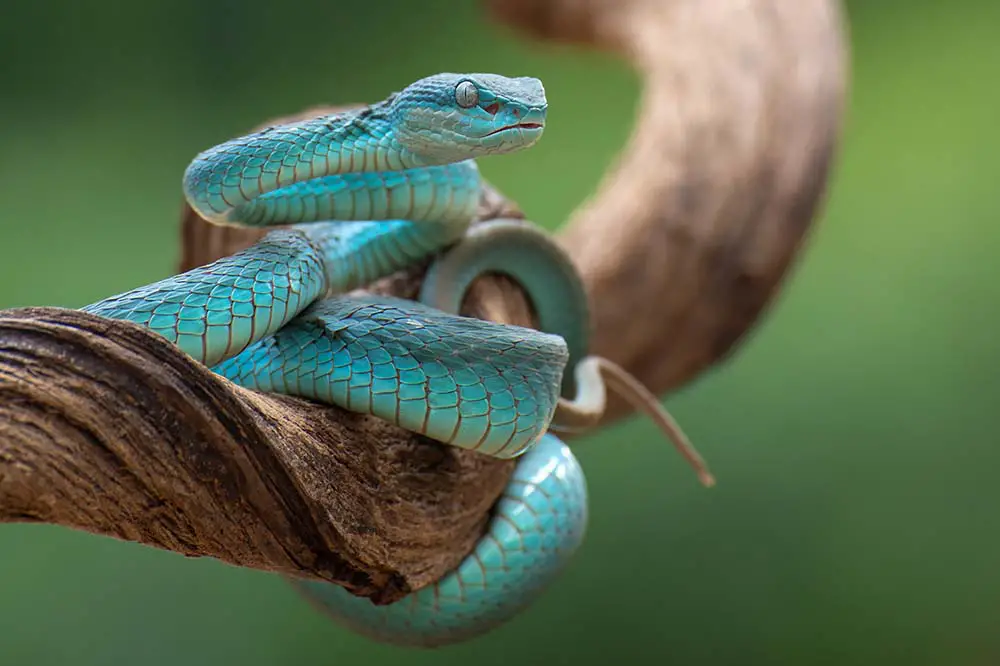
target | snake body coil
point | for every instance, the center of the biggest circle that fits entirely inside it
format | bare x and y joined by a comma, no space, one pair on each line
367,193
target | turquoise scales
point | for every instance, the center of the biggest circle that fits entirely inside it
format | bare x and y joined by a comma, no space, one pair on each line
427,372
367,193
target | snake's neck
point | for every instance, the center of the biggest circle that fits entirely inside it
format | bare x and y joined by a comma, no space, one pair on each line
234,173
364,140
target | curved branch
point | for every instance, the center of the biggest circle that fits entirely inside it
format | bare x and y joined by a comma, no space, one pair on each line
108,428
716,190
104,427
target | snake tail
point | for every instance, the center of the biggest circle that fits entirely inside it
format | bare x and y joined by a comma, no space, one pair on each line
533,259
643,400
528,255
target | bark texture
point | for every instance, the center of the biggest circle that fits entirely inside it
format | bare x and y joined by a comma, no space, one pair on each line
105,427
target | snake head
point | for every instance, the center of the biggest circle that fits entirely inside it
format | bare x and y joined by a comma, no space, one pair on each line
451,117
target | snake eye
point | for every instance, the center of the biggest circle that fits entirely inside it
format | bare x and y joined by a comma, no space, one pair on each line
466,94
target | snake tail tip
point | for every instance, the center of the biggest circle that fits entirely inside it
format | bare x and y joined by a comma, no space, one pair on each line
707,479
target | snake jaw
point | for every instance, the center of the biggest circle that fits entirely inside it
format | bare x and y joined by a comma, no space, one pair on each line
449,117
512,119
516,127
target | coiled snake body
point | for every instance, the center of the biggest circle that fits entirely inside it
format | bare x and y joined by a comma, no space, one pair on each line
369,192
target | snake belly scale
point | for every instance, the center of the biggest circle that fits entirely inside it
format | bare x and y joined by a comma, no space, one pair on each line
362,194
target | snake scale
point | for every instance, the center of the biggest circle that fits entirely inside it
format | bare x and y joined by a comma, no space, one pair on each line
361,194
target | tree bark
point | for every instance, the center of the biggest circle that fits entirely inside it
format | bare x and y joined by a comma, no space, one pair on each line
107,428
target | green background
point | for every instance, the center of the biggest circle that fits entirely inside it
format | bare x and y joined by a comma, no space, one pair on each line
854,519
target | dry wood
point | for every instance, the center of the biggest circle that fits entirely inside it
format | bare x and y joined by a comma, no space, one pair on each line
106,428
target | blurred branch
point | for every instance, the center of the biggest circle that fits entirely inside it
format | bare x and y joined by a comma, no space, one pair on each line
727,164
104,427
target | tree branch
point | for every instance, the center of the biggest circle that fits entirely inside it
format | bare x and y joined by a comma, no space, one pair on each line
727,164
105,427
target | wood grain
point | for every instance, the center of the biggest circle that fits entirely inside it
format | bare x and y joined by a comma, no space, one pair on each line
104,427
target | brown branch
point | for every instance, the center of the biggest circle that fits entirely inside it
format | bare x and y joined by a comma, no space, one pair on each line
104,427
108,428
727,164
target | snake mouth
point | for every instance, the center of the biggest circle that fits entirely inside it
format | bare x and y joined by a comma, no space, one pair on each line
516,126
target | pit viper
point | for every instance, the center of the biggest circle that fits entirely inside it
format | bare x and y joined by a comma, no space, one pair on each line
359,195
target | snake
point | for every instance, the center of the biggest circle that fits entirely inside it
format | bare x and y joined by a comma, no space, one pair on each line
359,194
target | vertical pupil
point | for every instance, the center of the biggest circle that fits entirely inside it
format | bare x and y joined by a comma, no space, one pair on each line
466,94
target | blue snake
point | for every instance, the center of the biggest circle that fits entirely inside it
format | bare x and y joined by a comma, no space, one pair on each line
359,195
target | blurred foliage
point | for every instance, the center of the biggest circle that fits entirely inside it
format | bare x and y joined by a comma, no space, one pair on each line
851,434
